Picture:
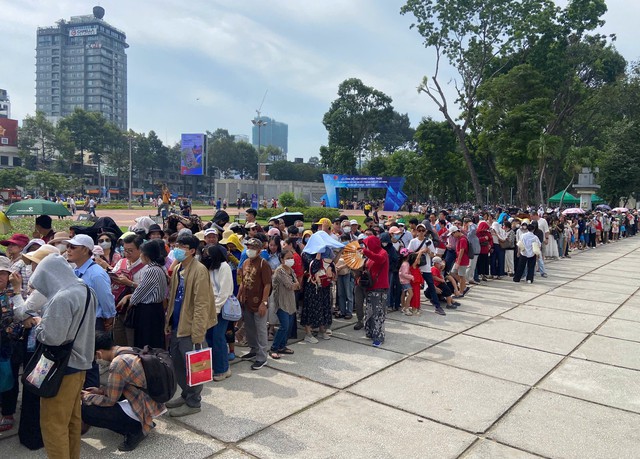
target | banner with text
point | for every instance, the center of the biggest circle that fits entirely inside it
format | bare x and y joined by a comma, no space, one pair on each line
393,201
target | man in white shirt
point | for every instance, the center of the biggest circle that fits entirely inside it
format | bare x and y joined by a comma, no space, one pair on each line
421,245
528,245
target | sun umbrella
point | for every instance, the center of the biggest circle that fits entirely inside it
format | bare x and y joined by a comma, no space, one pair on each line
573,211
319,241
603,207
620,209
37,207
5,224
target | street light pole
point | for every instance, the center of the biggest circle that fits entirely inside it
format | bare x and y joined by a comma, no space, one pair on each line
258,122
130,172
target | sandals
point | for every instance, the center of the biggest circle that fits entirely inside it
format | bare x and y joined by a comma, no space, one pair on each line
285,351
274,355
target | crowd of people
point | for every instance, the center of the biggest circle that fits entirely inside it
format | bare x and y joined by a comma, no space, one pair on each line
167,287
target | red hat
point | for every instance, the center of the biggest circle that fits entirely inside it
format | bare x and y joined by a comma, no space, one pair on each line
18,239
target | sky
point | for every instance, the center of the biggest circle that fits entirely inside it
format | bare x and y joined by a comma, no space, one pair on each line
206,64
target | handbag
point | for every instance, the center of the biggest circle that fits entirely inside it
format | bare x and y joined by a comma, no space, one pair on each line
6,375
199,367
231,309
423,257
45,370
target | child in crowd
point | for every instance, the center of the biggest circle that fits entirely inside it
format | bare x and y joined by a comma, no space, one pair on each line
406,278
416,285
615,230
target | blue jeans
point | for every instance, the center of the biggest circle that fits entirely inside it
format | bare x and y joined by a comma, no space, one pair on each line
280,340
217,341
345,293
497,261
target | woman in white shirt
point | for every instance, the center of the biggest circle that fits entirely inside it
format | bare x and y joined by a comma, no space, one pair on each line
222,283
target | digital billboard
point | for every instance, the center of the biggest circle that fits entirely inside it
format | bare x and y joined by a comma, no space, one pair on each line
192,154
392,202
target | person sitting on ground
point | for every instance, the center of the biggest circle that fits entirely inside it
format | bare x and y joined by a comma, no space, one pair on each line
122,405
443,288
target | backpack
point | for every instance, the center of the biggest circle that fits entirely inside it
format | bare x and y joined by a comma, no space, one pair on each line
158,371
470,252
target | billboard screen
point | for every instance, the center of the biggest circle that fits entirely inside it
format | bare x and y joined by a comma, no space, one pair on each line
192,154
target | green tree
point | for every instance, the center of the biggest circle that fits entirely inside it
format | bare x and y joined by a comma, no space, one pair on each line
48,183
287,199
37,137
14,177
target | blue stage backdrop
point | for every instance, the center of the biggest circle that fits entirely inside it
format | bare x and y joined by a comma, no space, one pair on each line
392,202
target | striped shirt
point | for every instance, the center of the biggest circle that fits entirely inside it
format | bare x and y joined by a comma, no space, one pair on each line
152,287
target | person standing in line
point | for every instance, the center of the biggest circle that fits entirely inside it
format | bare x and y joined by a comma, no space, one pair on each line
190,313
255,287
80,252
377,295
528,245
66,315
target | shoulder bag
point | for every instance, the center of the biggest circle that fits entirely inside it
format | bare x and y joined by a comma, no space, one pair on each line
231,309
44,372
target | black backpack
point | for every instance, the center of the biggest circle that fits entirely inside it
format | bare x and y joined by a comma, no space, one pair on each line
158,371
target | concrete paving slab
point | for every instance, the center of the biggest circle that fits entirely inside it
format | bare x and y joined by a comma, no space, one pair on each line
613,351
402,337
528,335
167,440
454,321
605,295
628,312
596,382
623,329
446,394
613,280
251,400
574,304
607,271
522,295
514,363
233,454
487,449
603,285
483,307
553,425
347,426
337,362
555,318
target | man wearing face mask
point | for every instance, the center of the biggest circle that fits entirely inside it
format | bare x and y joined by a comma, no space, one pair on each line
255,287
190,313
346,230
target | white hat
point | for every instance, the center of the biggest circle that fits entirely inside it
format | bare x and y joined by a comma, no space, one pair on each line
31,243
452,229
82,240
353,222
209,231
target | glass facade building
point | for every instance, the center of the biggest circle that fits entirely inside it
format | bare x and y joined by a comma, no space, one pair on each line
82,63
274,133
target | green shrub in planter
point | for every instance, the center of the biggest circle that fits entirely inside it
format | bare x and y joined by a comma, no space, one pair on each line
287,199
313,214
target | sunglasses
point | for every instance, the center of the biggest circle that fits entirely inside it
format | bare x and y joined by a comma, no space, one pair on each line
104,240
421,230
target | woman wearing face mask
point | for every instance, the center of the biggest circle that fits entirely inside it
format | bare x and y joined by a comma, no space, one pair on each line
107,241
316,309
59,241
284,284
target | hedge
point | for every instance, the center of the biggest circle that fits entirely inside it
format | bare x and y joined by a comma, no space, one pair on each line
311,214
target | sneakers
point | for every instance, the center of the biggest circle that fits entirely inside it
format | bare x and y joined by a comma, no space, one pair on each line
311,339
452,306
328,332
258,365
544,274
232,356
324,336
131,441
407,312
440,311
358,326
348,317
184,410
377,343
529,282
248,356
175,403
222,376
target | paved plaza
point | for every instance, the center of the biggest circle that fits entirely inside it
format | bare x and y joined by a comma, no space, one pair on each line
550,369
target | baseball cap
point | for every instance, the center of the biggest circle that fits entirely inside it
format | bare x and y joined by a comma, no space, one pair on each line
18,239
395,230
324,221
250,225
38,255
128,233
209,231
82,240
253,242
5,264
273,232
353,222
437,260
33,242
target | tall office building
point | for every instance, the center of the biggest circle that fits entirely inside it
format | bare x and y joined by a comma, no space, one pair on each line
82,63
5,104
273,133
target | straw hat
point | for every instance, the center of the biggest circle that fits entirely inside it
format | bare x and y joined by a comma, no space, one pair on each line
38,255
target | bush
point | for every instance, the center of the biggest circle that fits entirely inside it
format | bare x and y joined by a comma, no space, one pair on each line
287,199
300,202
313,214
266,214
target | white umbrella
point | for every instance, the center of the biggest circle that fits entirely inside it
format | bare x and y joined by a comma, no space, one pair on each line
620,209
573,211
319,241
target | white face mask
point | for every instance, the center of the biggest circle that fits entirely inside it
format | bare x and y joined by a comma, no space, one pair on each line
252,253
61,247
346,229
290,262
105,245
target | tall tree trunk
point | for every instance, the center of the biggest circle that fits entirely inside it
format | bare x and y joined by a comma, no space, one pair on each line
475,181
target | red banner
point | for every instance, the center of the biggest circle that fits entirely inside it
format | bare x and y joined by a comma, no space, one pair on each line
8,132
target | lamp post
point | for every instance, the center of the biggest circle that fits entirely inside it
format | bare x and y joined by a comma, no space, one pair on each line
130,171
258,122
